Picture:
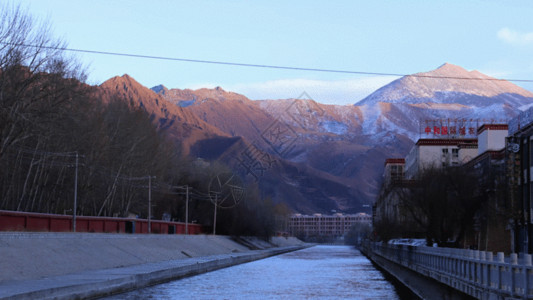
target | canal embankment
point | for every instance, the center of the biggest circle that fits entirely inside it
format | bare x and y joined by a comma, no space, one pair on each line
77,266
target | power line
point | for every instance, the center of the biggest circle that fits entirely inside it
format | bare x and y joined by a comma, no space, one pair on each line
227,63
42,152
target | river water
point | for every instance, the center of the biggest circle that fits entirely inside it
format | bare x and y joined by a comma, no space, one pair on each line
320,272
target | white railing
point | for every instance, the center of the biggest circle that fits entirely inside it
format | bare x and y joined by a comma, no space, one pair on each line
477,273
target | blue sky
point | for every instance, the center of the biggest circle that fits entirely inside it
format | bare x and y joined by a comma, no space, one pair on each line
494,37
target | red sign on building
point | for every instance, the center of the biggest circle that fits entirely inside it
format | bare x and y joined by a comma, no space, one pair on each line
453,128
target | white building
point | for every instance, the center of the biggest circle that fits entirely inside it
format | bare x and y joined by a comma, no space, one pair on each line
491,137
439,153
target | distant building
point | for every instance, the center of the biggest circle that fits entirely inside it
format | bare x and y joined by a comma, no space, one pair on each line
319,225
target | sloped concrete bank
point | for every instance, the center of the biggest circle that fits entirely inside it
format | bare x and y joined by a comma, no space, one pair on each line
79,266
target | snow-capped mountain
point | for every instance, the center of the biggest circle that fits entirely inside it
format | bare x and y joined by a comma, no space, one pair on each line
450,84
336,154
449,92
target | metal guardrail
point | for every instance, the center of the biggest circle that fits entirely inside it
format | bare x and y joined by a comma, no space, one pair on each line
477,273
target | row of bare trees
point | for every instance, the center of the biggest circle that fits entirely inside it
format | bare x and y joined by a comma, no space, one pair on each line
59,140
449,206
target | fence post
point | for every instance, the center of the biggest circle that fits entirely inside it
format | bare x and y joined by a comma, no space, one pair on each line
503,273
528,273
494,274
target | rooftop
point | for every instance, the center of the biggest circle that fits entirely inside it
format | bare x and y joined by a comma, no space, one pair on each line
395,161
446,142
492,127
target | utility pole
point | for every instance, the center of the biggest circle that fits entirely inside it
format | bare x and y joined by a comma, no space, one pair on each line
75,195
149,196
149,203
186,188
187,211
75,154
215,217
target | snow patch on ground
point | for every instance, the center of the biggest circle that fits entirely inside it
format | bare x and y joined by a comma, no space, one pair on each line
371,114
186,103
525,107
334,127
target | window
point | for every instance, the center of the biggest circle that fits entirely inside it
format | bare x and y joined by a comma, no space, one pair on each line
455,153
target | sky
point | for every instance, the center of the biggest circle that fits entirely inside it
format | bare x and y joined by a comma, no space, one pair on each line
494,37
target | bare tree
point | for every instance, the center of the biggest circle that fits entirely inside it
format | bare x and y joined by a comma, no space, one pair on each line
32,69
440,204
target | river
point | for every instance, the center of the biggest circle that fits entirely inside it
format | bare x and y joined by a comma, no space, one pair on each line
320,272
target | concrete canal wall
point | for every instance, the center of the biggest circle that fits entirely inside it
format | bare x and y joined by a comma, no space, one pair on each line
81,265
445,273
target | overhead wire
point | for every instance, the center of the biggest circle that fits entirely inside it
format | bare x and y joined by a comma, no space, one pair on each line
41,157
238,64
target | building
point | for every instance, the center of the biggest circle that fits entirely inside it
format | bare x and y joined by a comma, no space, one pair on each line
319,225
438,153
389,212
484,157
394,170
520,155
491,137
491,230
388,206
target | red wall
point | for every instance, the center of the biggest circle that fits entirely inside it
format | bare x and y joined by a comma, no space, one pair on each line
21,221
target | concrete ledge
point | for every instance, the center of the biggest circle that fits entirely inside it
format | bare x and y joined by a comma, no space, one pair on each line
99,283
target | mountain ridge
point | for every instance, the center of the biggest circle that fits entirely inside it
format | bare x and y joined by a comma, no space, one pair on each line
180,124
346,145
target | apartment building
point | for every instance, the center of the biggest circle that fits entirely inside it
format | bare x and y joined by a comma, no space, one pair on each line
335,225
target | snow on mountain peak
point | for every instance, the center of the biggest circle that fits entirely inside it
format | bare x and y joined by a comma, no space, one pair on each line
449,84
